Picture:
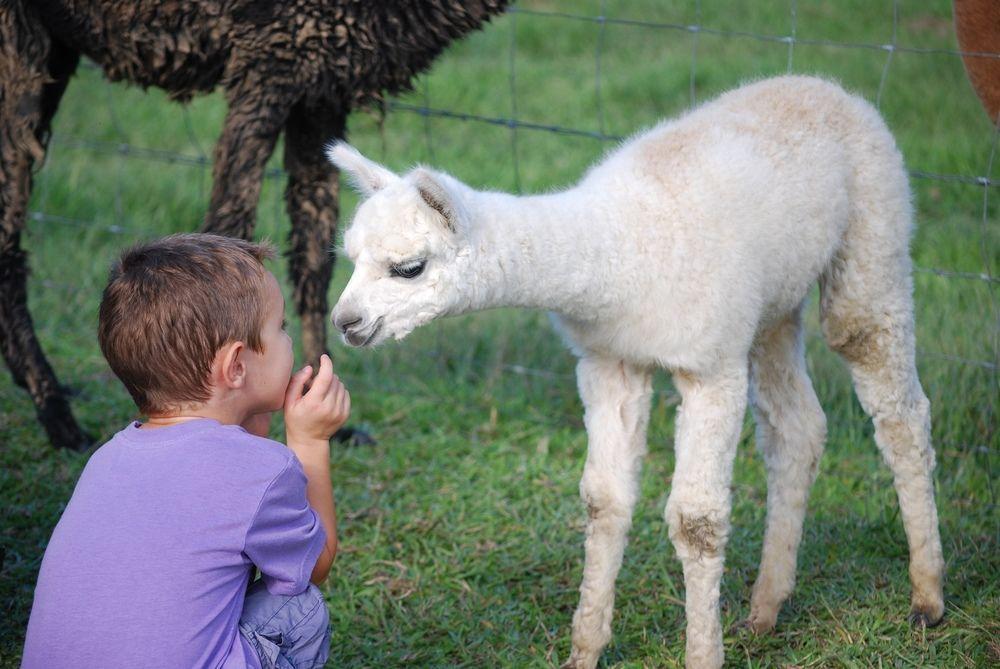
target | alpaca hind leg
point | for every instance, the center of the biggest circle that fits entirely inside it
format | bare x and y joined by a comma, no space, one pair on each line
791,431
866,308
312,202
616,398
249,133
697,512
875,336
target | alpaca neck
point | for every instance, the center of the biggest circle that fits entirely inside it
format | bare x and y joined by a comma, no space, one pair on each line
539,251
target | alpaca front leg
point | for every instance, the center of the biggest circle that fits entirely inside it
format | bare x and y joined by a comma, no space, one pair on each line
616,399
313,209
708,429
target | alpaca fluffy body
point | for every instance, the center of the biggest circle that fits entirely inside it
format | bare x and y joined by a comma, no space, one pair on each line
691,248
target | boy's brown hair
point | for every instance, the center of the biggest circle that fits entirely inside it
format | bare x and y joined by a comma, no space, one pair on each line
171,304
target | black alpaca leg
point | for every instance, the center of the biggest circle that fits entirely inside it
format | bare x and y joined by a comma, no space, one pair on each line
21,349
38,73
313,207
247,141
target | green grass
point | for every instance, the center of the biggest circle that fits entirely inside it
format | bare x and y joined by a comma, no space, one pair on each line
462,529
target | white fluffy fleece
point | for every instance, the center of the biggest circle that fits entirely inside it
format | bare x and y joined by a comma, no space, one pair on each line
690,247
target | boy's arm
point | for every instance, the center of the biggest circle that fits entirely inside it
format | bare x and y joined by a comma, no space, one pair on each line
310,420
315,459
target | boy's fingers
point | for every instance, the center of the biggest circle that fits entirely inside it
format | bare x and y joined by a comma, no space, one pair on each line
332,399
298,382
336,387
338,399
324,377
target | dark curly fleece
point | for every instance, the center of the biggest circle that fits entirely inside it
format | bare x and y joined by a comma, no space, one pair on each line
297,66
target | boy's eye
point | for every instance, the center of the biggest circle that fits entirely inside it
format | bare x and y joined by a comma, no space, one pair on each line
407,270
284,324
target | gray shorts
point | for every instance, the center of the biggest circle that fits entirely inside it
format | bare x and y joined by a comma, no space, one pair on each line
287,632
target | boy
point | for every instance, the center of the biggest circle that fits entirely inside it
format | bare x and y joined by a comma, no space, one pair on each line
149,564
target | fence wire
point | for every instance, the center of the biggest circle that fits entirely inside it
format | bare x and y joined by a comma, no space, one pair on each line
198,158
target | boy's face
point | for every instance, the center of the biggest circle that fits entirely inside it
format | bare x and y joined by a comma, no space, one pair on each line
268,372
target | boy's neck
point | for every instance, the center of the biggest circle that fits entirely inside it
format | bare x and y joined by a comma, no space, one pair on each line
225,412
153,422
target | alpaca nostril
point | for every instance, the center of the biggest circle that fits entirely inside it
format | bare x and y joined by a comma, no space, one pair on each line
344,324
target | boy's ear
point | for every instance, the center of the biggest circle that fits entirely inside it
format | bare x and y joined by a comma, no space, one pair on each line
229,369
367,176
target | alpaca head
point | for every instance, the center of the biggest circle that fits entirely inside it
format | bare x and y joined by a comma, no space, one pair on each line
407,245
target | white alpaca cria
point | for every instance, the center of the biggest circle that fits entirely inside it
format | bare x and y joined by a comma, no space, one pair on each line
691,247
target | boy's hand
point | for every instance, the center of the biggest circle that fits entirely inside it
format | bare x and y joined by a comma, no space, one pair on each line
314,415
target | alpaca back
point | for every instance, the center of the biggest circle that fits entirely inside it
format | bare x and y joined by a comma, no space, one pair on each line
731,212
340,51
181,48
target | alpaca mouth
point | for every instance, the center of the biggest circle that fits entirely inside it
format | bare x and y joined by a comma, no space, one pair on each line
361,340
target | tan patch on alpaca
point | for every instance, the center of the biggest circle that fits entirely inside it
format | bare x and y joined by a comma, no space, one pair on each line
856,345
855,338
670,150
701,533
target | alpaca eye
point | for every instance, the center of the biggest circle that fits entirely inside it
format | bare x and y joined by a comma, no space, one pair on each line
408,270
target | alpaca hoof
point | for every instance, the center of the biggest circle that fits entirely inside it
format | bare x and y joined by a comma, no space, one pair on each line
62,429
70,391
740,628
352,436
753,625
924,619
579,662
763,617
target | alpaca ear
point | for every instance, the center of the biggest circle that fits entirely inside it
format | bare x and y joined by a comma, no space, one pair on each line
436,196
367,176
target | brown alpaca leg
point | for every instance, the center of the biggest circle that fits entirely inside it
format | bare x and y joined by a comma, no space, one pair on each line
247,141
313,207
35,74
977,25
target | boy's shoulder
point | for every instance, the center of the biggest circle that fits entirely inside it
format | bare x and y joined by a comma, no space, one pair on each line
204,441
262,447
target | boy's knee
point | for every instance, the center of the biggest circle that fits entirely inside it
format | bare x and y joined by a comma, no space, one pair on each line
287,630
318,616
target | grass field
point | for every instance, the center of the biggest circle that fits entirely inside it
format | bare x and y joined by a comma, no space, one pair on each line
462,529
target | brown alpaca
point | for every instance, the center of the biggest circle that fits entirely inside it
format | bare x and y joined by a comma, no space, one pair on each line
292,66
977,24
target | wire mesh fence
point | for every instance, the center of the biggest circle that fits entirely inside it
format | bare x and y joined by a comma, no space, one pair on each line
533,116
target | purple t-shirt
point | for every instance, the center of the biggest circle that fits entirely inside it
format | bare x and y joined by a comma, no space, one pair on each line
150,561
